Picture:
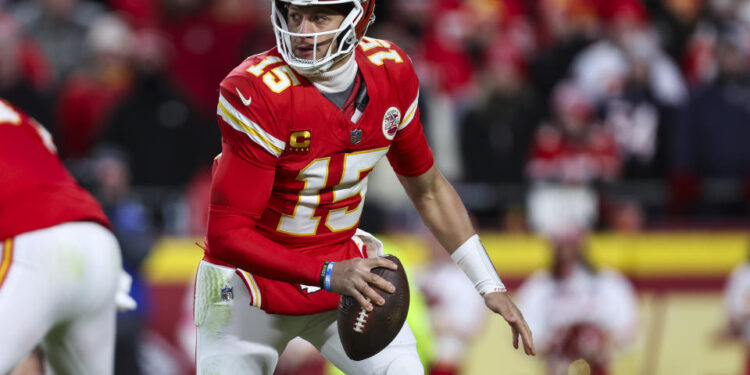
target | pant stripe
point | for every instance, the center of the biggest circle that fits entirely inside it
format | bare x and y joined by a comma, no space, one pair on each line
252,287
5,259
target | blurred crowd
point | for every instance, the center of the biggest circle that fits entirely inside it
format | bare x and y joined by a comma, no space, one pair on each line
557,116
631,112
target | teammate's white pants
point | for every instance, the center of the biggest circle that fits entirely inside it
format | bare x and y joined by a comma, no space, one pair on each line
236,338
59,290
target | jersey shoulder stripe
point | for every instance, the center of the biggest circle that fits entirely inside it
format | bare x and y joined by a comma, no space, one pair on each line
410,113
241,123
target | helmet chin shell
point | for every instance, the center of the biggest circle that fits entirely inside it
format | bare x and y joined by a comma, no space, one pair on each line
346,36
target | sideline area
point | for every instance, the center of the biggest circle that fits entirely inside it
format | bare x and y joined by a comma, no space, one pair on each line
679,278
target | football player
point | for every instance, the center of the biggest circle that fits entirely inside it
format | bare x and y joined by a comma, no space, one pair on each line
576,311
59,261
303,125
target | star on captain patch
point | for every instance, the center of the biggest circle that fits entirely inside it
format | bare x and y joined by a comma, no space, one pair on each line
299,141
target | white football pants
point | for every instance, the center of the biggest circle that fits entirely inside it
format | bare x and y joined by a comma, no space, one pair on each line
236,338
59,291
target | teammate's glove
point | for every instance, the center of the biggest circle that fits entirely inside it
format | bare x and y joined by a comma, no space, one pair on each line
123,300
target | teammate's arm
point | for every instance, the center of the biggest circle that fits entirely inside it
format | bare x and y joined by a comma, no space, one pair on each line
444,213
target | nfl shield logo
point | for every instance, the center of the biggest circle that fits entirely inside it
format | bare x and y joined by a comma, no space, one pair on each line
355,136
227,293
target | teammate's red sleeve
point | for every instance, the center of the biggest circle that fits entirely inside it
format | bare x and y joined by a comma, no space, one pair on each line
239,194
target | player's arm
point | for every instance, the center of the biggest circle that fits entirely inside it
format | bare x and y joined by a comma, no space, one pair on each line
241,188
239,193
445,215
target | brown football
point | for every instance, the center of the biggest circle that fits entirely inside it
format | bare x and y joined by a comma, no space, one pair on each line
364,334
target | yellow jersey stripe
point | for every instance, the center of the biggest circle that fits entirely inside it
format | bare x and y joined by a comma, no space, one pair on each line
254,290
409,113
5,258
241,123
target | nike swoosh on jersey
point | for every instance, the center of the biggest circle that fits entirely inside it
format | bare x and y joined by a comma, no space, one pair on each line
247,101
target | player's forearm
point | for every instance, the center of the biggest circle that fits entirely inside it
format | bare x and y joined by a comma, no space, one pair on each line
243,247
440,208
443,212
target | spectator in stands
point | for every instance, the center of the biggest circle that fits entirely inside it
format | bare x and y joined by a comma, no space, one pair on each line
565,28
25,73
699,60
674,21
165,138
638,90
602,68
89,95
496,132
208,38
625,216
567,158
710,138
576,311
737,308
445,52
60,27
132,227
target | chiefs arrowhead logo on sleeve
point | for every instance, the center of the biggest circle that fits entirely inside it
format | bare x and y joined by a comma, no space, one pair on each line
391,120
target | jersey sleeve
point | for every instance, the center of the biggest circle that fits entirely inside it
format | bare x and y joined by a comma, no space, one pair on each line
246,117
410,155
241,186
240,191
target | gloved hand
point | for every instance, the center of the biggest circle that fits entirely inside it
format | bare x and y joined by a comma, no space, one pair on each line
123,300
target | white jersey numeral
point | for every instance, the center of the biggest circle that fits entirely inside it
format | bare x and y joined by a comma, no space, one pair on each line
280,78
369,43
8,115
258,69
355,165
378,58
302,221
277,79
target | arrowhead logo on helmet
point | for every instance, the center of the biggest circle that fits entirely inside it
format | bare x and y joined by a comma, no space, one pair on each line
347,35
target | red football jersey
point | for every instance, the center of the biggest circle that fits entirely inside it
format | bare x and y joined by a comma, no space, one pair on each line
36,191
304,167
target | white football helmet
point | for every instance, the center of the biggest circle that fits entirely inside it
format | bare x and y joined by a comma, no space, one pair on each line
348,34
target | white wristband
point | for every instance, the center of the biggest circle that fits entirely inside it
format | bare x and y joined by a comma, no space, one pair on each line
476,264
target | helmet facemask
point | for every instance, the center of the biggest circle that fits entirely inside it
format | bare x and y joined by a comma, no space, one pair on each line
344,37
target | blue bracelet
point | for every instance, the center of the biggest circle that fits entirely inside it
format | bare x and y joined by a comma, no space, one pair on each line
327,280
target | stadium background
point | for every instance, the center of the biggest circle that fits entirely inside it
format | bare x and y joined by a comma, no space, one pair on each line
128,88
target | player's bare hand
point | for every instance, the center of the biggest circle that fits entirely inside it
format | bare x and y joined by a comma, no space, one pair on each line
353,278
501,304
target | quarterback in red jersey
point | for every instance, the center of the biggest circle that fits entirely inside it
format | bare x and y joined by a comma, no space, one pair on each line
303,125
56,250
